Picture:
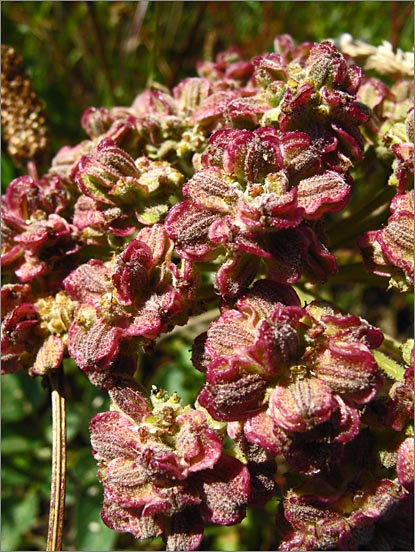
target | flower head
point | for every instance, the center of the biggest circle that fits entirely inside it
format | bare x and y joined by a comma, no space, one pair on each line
163,471
34,331
349,520
132,299
37,238
296,378
389,251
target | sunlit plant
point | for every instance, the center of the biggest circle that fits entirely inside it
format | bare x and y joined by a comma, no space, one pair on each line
238,194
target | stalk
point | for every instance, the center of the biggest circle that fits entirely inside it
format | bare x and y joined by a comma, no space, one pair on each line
355,273
32,169
389,366
364,218
58,481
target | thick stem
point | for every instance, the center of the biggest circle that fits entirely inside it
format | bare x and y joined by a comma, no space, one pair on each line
58,482
392,347
366,214
356,273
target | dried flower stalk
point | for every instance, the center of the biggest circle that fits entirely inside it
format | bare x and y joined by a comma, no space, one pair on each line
24,125
58,483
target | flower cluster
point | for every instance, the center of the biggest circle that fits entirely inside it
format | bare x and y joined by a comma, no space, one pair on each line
259,193
376,514
135,297
293,380
225,193
256,198
34,330
113,184
38,240
376,508
389,251
163,470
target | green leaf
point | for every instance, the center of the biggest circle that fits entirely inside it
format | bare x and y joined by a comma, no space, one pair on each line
16,444
91,533
21,396
20,438
12,477
18,516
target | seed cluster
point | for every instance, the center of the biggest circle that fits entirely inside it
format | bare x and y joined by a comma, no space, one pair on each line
227,192
24,124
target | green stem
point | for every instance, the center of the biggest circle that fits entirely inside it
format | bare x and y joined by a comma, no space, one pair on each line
371,222
356,273
364,218
390,367
391,346
370,201
195,325
154,52
58,478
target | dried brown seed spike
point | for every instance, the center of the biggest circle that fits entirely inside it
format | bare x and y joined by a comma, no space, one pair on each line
23,120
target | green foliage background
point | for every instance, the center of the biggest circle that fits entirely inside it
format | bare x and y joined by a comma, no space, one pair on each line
82,54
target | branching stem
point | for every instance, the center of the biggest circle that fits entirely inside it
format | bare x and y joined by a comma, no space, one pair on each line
58,482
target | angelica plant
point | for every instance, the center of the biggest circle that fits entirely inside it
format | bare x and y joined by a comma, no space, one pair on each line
244,192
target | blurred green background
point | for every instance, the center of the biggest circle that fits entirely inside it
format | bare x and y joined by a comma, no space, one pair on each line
82,54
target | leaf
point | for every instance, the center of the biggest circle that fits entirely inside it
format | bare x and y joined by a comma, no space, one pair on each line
18,517
91,533
11,476
21,396
16,444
